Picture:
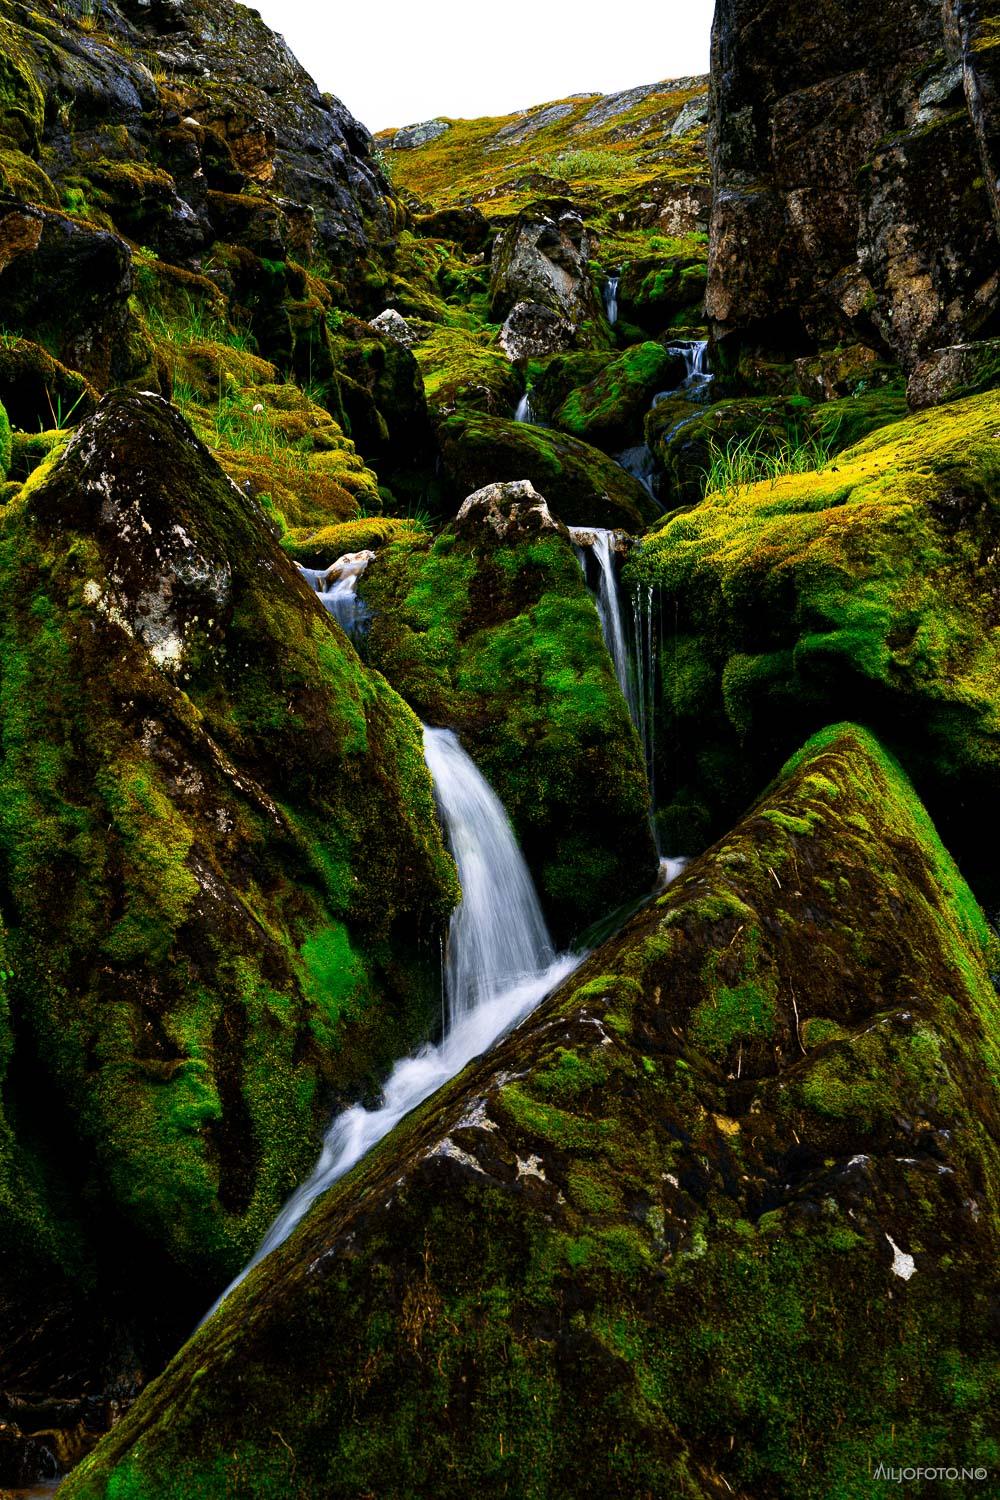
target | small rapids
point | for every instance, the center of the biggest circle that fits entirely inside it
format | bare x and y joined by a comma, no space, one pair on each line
337,587
500,964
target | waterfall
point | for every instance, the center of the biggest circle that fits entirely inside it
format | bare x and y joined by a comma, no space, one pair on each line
524,412
608,600
611,299
697,376
500,964
337,587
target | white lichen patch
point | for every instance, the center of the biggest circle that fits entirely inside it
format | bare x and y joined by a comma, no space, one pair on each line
903,1265
476,1118
533,1167
448,1148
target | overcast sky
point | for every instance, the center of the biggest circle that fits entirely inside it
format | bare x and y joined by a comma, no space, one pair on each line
395,62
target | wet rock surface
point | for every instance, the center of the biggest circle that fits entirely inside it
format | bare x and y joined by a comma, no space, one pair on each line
739,1167
822,162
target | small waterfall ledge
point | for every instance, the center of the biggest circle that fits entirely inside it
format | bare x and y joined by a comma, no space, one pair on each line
611,286
500,965
337,587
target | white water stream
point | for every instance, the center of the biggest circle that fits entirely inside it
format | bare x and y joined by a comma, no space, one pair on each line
611,299
500,964
337,587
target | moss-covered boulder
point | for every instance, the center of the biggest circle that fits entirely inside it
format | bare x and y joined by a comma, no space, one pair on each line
223,885
717,1220
583,485
869,585
466,371
5,442
657,291
609,411
66,284
490,630
553,379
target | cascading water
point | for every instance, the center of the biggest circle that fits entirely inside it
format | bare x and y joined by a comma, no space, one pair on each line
633,656
611,299
640,462
608,600
697,376
337,587
500,964
524,412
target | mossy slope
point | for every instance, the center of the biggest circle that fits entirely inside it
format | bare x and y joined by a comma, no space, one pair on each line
222,876
500,640
717,1220
868,585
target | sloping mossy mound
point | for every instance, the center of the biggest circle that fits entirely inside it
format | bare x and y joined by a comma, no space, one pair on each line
498,638
718,1219
609,411
583,486
870,587
222,886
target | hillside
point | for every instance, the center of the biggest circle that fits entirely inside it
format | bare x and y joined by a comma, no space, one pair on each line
499,749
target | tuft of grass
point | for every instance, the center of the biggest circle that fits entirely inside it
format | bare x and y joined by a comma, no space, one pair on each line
591,164
196,323
762,457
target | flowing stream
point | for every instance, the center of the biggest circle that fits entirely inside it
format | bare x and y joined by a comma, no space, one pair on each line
524,412
500,963
337,587
600,543
611,299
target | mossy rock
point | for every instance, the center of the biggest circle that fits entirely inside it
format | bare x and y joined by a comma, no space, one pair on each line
553,379
379,389
466,371
38,391
22,99
867,586
737,1179
317,547
656,291
500,640
22,177
223,881
609,411
5,442
583,486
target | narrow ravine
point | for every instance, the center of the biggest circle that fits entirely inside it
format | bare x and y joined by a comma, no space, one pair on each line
500,963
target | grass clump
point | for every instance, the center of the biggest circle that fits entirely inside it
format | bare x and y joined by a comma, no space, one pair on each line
761,457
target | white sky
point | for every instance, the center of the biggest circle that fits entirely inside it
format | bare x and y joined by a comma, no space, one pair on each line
395,62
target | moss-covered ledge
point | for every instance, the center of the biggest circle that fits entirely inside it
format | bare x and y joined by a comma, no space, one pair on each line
720,1218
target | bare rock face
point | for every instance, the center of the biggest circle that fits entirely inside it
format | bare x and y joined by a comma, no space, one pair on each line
511,508
851,201
531,331
544,262
960,370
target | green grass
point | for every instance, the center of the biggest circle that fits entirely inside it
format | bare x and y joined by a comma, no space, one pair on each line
758,458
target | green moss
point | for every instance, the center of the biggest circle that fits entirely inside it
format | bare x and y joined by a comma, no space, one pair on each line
5,444
858,586
609,411
502,642
620,1274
